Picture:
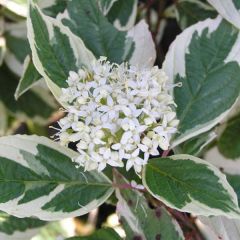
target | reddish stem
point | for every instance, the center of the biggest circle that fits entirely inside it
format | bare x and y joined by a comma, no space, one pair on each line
165,153
126,186
122,186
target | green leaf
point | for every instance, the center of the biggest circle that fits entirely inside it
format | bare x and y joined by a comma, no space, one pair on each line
192,185
195,146
53,8
236,3
38,178
190,12
106,234
229,142
234,181
123,14
55,50
145,223
18,46
229,9
101,37
204,58
105,5
12,228
29,78
29,104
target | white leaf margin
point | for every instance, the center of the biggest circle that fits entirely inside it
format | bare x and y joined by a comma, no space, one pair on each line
106,5
230,166
131,19
228,10
144,54
199,3
219,228
196,207
46,3
25,66
10,147
175,64
18,8
82,54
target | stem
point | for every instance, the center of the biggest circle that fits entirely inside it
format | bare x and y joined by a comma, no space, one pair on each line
127,186
165,153
123,186
161,7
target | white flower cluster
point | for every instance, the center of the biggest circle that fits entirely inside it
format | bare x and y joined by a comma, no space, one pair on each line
117,114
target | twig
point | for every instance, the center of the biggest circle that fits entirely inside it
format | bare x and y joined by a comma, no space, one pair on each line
165,153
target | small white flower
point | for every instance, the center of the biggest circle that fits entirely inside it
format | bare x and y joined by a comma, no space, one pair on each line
64,138
133,160
117,114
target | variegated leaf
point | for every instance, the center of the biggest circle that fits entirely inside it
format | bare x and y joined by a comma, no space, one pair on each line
190,12
229,9
205,59
144,54
28,105
144,222
192,185
52,7
86,20
122,14
39,179
103,39
29,78
231,166
195,146
222,227
105,5
219,228
13,228
55,50
15,9
17,46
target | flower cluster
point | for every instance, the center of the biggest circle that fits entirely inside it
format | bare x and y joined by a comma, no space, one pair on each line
117,114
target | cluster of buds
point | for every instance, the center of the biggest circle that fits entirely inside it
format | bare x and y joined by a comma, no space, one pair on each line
117,115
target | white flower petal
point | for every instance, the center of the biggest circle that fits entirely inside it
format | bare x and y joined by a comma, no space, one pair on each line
125,137
122,106
129,165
